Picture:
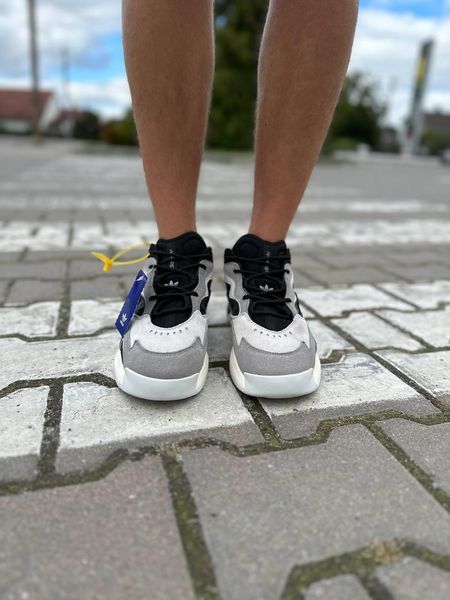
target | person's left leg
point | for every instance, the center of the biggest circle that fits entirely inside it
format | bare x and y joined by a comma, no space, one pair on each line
303,60
304,55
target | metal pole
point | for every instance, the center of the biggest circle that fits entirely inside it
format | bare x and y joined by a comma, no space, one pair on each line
34,69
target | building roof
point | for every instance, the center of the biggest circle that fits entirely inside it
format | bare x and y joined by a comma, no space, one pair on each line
18,104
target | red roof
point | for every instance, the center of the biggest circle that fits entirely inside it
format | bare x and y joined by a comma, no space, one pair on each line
18,104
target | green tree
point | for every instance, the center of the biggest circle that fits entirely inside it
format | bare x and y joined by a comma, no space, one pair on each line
121,132
358,115
239,25
87,126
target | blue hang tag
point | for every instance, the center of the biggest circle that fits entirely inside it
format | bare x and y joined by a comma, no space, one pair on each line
129,307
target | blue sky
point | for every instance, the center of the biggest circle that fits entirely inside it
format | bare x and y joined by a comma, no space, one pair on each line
388,36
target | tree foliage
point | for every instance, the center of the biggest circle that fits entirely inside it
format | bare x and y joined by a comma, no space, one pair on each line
239,25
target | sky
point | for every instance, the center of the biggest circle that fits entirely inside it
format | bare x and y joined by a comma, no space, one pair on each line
387,40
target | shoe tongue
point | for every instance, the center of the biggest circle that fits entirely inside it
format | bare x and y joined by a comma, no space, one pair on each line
186,245
251,246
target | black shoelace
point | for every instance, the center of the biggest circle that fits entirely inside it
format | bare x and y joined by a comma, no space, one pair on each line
172,283
266,290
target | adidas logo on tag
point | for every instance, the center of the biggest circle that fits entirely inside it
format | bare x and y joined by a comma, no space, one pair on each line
265,288
171,284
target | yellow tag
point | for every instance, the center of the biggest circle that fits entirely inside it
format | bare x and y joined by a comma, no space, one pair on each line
111,262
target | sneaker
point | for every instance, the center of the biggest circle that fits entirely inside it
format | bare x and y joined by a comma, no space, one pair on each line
163,354
274,354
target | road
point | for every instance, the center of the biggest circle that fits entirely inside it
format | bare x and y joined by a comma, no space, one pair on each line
343,494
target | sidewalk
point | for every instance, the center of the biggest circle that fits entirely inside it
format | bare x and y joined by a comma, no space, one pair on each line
344,494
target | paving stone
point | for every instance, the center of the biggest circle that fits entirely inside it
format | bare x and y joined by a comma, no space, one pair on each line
89,316
303,279
424,295
9,257
334,302
96,420
342,587
220,341
431,326
100,287
373,332
55,269
305,505
115,538
26,291
3,289
218,309
327,340
85,268
351,275
56,358
356,385
427,445
35,320
412,579
21,432
429,272
430,370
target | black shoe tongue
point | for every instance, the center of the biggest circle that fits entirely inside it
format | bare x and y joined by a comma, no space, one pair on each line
186,245
251,246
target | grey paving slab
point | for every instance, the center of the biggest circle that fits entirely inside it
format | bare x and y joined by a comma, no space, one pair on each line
218,309
424,295
55,269
356,385
116,538
374,333
38,319
431,370
56,358
97,420
327,340
96,288
304,505
89,316
219,343
3,290
427,445
428,272
343,587
351,275
431,326
27,291
412,579
334,302
22,418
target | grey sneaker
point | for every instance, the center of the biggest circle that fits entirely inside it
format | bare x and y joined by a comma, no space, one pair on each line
274,354
163,354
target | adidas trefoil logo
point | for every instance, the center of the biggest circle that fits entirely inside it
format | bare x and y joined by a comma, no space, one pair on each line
171,284
265,288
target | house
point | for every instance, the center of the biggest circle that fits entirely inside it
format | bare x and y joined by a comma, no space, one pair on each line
437,122
17,110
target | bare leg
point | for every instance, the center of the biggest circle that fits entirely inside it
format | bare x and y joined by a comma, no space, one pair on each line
303,60
169,55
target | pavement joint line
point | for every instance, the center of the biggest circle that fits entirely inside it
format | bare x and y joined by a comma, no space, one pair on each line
50,431
441,497
379,359
98,378
62,324
405,331
118,456
196,551
362,564
395,296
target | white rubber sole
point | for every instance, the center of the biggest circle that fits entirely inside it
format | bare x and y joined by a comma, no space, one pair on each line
276,386
159,390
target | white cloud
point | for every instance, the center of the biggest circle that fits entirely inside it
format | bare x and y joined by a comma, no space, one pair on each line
386,48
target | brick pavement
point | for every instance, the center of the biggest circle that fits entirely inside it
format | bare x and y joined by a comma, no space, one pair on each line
343,494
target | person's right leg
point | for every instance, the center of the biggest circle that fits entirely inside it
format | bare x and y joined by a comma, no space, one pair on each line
169,58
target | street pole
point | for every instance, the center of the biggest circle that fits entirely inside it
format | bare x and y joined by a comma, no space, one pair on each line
34,69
